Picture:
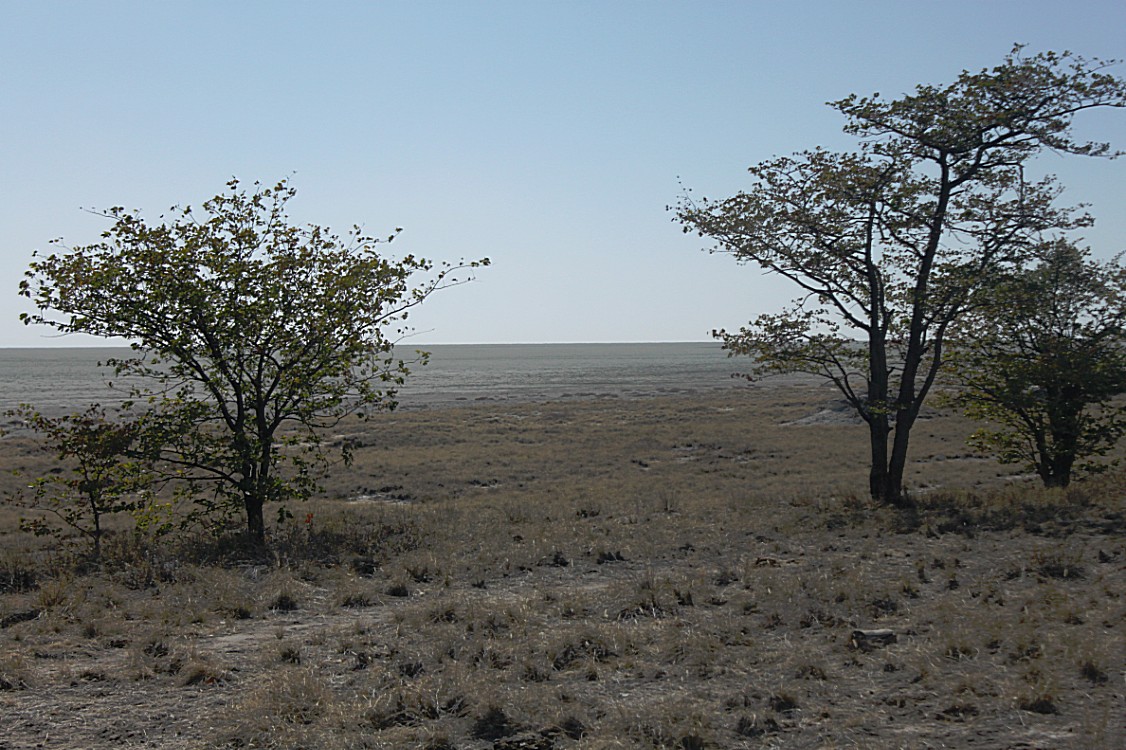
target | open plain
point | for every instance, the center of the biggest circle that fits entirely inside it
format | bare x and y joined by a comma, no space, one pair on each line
691,571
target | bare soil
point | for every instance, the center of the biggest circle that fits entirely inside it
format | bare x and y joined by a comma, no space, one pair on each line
690,572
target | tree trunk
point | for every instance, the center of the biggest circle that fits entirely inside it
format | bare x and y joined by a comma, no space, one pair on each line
254,482
1057,480
893,491
879,427
97,538
1055,469
1058,459
96,516
878,432
255,525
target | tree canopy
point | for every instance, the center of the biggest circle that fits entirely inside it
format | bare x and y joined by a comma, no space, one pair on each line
252,335
1042,361
887,244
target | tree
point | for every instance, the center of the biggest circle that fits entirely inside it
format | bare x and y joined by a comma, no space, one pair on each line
253,336
99,477
887,244
1043,359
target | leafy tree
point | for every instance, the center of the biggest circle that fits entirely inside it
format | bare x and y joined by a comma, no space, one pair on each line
99,476
887,244
253,336
1043,359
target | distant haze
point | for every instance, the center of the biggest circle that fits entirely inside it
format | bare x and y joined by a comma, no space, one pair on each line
58,380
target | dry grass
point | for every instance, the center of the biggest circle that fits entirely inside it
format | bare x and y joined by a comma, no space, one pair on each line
667,573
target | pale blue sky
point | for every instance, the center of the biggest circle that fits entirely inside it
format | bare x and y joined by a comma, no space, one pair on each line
549,136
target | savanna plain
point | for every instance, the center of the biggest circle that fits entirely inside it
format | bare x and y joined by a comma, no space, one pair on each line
688,571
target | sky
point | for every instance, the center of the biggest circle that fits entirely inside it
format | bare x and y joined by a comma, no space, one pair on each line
547,135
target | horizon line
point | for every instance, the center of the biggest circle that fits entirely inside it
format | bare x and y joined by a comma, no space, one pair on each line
427,343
